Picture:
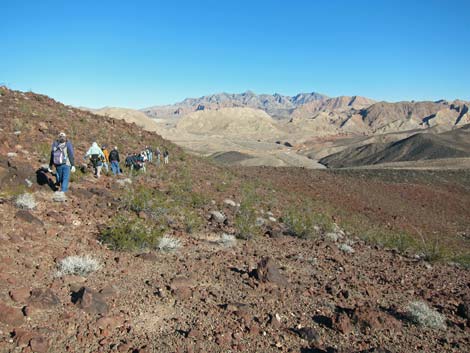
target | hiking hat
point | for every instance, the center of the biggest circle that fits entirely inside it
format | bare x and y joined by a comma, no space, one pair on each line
62,134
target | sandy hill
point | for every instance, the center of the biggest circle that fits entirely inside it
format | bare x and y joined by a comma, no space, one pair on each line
129,115
235,122
421,146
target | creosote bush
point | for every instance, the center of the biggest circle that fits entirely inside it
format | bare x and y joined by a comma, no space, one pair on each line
245,218
77,265
304,222
421,314
131,234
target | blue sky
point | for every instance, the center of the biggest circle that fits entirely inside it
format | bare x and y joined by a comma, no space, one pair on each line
141,53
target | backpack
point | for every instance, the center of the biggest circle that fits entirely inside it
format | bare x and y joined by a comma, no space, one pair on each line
58,154
95,160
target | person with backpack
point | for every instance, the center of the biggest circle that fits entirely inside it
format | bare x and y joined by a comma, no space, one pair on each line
114,160
166,156
96,156
106,158
63,159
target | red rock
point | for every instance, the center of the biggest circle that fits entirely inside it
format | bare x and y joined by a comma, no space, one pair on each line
223,339
20,295
43,299
39,344
90,301
267,271
22,337
10,316
342,323
110,322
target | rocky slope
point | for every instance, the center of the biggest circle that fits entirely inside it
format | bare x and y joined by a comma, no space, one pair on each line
418,147
275,292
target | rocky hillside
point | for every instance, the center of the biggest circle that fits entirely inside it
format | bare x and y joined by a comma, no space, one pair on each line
275,105
418,147
194,257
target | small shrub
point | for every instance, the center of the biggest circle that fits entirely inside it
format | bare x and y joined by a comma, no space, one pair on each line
169,244
26,201
77,265
192,221
305,223
245,218
43,149
431,250
421,314
346,248
131,234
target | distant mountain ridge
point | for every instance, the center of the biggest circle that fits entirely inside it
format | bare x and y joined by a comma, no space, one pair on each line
276,105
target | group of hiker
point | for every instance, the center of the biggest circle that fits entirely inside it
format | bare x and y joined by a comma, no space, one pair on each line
63,159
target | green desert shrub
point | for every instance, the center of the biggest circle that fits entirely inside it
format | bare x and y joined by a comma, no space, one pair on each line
304,222
245,218
131,234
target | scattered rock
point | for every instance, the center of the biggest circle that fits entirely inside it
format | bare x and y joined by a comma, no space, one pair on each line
260,221
124,182
26,216
148,256
268,271
10,316
20,295
463,309
217,216
90,301
39,344
230,203
308,333
43,299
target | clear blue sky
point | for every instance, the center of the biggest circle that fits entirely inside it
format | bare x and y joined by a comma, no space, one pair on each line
141,53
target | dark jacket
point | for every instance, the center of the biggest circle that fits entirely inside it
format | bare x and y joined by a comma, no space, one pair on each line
70,153
114,156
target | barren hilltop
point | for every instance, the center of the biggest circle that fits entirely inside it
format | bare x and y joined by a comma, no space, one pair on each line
194,256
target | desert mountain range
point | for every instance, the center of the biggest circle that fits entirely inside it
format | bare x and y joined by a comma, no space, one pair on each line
297,130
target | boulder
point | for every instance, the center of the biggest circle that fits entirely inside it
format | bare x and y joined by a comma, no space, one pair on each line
39,344
230,203
267,271
20,295
90,301
43,299
217,216
10,316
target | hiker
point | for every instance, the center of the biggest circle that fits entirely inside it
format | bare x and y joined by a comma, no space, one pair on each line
158,154
166,156
106,158
114,160
62,157
96,156
149,154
